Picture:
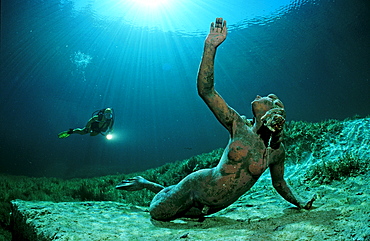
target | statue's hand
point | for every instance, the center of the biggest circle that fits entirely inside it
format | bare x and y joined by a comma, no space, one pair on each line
274,119
217,33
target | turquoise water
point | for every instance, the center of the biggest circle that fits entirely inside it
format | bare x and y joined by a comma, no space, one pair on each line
62,60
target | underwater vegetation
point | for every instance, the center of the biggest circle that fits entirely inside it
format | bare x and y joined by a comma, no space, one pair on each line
304,137
338,169
331,150
329,161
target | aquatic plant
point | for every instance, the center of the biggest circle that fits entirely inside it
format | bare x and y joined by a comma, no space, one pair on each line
324,172
304,137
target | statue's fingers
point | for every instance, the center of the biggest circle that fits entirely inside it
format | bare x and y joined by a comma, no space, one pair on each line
212,27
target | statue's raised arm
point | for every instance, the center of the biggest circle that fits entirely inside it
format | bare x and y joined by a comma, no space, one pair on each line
205,81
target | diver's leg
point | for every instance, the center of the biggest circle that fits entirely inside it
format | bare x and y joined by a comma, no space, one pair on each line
65,134
80,131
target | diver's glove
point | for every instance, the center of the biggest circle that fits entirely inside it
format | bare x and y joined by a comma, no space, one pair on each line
65,134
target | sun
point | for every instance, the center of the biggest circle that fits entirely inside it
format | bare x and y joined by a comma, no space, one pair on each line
150,3
184,16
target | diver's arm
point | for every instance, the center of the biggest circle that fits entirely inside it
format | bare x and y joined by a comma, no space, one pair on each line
205,80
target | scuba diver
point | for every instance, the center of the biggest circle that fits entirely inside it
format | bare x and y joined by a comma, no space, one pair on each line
101,122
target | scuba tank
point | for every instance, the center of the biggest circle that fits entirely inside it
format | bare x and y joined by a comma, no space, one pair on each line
107,118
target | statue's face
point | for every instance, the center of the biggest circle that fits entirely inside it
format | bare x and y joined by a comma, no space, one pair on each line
261,105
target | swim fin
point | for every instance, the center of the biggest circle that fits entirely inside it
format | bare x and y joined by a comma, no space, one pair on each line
63,134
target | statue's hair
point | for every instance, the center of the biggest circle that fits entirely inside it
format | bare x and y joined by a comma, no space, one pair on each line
277,104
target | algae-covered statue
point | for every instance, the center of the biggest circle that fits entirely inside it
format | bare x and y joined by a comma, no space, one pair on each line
253,147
